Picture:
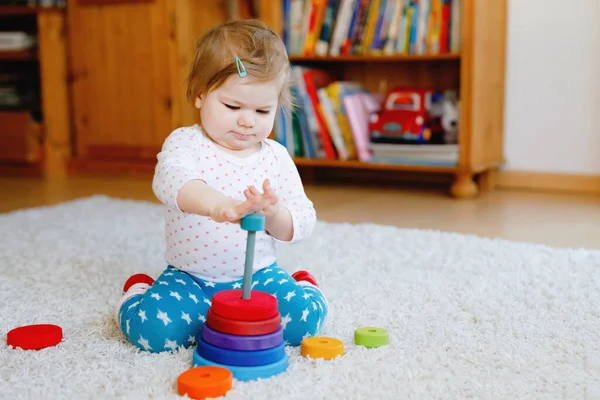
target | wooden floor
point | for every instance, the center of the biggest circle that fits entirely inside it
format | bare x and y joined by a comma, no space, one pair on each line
559,220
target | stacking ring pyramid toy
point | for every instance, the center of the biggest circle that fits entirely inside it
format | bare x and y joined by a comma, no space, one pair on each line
243,330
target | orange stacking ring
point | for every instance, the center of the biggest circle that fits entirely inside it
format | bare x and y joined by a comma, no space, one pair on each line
203,382
242,328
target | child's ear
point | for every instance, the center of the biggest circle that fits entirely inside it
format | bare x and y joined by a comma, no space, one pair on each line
198,102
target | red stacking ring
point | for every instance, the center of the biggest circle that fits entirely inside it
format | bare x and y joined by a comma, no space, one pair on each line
242,328
34,337
229,304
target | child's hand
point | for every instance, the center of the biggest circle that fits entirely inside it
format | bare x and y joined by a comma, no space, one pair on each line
267,197
233,210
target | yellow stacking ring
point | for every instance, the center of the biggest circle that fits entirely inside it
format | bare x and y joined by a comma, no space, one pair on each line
322,347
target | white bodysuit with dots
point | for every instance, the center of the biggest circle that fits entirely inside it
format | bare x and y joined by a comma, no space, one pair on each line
216,251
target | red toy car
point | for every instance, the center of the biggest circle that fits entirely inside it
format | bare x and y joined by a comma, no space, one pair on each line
404,117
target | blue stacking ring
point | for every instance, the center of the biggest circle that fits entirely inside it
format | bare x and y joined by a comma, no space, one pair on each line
253,222
245,373
240,357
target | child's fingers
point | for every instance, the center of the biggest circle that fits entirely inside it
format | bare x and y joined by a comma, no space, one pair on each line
254,191
271,195
252,205
244,208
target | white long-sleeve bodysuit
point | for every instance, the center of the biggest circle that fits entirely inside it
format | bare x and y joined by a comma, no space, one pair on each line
216,251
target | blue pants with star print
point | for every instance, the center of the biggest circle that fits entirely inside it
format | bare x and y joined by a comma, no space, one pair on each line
172,311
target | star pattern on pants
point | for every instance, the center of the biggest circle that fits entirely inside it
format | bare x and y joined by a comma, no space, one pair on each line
285,320
144,343
142,315
304,314
164,317
186,317
289,296
176,295
171,344
156,296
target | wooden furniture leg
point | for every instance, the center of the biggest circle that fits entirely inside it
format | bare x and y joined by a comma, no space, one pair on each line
487,180
464,187
55,96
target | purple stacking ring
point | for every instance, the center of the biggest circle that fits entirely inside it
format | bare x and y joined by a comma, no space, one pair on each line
235,342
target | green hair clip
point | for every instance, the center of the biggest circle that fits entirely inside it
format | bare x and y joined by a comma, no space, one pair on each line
240,67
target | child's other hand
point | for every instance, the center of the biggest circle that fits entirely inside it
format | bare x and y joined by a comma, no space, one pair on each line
267,197
233,210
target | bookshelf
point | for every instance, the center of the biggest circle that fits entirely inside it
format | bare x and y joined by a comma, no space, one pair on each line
374,58
34,133
17,55
477,71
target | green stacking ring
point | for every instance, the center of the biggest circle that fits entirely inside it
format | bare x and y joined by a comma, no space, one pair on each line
370,336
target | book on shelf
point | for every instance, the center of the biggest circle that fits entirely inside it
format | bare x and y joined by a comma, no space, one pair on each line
331,121
428,154
371,27
34,3
16,41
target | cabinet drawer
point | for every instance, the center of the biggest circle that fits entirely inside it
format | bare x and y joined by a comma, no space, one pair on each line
20,138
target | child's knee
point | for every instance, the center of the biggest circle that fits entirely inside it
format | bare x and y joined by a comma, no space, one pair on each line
155,327
298,329
302,319
158,330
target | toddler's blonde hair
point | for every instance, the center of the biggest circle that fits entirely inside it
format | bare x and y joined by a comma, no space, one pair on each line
261,51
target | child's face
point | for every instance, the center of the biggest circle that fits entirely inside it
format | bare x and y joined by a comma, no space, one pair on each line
240,113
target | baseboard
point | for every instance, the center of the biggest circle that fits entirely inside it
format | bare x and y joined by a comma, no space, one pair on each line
544,181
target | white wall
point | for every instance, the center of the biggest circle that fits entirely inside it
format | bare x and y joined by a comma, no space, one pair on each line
552,112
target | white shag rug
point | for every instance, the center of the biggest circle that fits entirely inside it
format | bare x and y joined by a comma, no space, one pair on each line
469,317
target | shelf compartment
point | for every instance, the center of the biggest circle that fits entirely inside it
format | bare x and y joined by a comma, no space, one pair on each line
376,58
307,162
20,55
25,10
20,137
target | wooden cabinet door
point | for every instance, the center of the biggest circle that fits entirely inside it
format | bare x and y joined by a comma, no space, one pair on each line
121,85
20,137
